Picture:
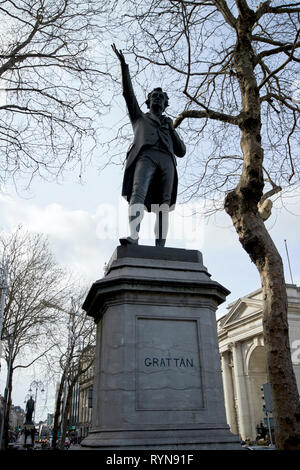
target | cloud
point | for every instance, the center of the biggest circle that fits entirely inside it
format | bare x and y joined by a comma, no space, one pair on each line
84,240
72,233
230,265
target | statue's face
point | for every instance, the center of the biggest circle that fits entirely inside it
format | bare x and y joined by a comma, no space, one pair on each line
157,100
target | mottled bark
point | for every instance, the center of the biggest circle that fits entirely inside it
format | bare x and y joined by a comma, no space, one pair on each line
65,417
57,410
8,407
241,205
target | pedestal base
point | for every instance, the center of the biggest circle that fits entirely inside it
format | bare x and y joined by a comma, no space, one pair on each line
179,439
157,382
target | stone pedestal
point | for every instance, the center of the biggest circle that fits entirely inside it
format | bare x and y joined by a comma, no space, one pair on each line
157,378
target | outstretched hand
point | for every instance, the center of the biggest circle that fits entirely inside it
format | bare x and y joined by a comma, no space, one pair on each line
118,53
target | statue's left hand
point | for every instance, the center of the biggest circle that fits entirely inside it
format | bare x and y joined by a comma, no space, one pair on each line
170,124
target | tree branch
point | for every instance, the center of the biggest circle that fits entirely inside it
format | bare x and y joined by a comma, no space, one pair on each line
34,360
242,6
284,9
14,55
282,66
206,114
256,37
275,188
262,9
283,100
228,16
277,50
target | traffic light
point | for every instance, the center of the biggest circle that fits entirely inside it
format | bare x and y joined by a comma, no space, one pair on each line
267,397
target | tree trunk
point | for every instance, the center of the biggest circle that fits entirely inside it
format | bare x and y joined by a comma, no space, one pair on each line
57,409
241,205
66,415
7,413
257,242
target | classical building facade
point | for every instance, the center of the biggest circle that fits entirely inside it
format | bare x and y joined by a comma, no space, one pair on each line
16,415
243,358
85,402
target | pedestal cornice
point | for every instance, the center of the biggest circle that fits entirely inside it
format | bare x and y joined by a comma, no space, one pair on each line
153,270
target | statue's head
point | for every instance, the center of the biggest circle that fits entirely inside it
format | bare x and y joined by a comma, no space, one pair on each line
157,97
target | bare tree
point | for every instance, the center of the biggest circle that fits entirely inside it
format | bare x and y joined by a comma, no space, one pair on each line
76,356
232,67
51,84
79,367
34,279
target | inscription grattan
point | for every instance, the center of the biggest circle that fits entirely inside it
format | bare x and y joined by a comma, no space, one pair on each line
168,362
168,367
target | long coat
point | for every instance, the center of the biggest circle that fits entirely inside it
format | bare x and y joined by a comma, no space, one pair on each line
29,410
147,132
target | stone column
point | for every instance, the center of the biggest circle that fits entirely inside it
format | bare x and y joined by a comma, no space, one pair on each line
252,425
157,382
228,393
241,392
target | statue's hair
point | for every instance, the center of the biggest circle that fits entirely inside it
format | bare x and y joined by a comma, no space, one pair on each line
165,95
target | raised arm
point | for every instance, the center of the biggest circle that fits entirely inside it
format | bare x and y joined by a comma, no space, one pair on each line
128,93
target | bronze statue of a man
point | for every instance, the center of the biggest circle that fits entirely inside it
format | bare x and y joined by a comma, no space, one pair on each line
150,178
29,410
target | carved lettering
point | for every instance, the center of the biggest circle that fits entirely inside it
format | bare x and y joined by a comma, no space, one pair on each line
189,362
155,361
169,362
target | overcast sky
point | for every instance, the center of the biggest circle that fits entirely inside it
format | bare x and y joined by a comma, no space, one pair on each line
84,222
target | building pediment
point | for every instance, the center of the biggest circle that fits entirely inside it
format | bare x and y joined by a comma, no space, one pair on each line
241,310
